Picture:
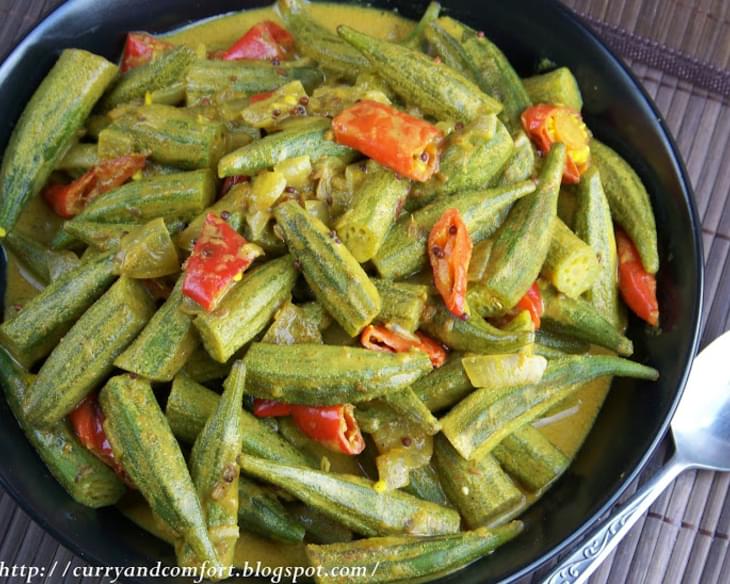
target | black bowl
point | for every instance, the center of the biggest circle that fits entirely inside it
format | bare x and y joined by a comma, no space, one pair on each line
635,416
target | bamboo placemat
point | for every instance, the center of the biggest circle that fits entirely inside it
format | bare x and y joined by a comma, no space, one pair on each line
680,50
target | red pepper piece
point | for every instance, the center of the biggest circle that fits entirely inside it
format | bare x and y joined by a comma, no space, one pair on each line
87,421
449,250
219,258
637,286
381,338
334,427
140,48
532,302
265,40
548,123
404,143
230,181
260,96
69,200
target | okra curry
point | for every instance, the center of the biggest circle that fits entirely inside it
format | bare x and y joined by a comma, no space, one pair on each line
316,286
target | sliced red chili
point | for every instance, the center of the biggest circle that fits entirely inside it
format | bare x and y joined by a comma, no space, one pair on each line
269,408
449,251
381,338
70,199
404,143
532,302
263,41
140,48
219,258
547,124
637,286
260,96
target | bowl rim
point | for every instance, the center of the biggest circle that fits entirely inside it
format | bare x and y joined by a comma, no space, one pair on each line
10,59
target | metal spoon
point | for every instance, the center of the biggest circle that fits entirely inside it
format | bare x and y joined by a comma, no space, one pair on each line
701,432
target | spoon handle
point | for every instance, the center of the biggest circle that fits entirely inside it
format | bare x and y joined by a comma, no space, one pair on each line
578,566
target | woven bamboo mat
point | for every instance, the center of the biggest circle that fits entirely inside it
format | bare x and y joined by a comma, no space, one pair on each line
680,50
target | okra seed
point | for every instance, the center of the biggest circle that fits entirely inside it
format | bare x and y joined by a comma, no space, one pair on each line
424,156
465,316
229,473
304,100
225,215
459,125
480,34
291,190
275,62
453,230
406,441
437,251
333,235
276,113
297,265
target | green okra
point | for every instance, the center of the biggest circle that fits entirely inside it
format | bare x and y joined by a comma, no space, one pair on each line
297,324
338,281
100,236
404,251
531,458
406,559
232,79
259,511
179,196
577,318
472,158
82,475
378,200
247,308
474,334
482,492
319,528
44,263
85,355
522,242
571,264
557,86
482,301
189,405
294,373
214,470
79,158
311,140
167,135
416,36
47,127
406,403
168,69
566,345
435,88
354,501
165,343
316,42
490,69
445,386
402,303
448,49
141,440
629,202
484,418
593,225
147,252
523,161
37,329
425,484
201,367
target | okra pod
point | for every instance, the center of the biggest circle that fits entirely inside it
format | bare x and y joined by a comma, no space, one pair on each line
48,126
482,301
577,318
522,242
320,528
629,202
474,335
214,470
79,158
143,443
318,43
233,79
294,373
40,325
565,345
404,251
311,140
354,501
338,281
571,264
558,87
246,309
531,458
100,236
147,252
259,511
201,367
424,483
378,200
484,418
85,355
297,324
523,161
189,405
165,343
402,303
482,492
167,135
159,73
445,386
406,403
82,475
435,88
416,36
44,263
406,559
593,225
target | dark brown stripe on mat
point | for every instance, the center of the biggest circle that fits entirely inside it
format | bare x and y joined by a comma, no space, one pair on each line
689,526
